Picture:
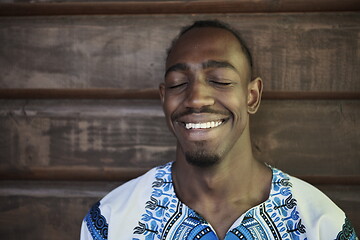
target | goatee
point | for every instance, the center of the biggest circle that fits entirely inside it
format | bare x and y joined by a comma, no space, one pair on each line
202,159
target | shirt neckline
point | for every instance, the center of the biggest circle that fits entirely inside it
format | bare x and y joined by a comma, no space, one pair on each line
277,177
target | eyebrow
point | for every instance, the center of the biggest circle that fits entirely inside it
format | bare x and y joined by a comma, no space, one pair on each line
217,64
204,65
177,67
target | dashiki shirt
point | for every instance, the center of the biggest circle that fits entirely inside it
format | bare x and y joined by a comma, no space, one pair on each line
147,208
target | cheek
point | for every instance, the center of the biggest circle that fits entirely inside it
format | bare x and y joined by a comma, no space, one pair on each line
171,104
167,113
238,109
234,102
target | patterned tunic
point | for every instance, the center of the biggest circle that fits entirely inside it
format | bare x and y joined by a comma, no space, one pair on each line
148,208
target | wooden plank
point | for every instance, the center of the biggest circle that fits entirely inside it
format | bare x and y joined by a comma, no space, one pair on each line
57,189
116,133
292,135
172,7
84,173
39,218
79,93
292,51
40,209
111,93
126,174
308,137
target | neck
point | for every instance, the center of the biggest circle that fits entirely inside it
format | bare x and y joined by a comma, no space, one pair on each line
225,181
232,177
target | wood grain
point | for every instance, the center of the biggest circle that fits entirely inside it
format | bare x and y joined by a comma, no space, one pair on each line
292,51
84,173
307,138
42,218
111,93
46,8
92,174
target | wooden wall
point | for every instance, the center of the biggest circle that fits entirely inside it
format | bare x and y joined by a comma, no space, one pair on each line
79,111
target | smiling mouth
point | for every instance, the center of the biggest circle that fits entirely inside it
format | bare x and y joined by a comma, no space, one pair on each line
204,125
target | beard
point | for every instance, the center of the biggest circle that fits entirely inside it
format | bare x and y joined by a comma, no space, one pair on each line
202,159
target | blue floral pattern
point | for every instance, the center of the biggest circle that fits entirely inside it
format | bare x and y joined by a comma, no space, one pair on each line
96,223
347,232
165,217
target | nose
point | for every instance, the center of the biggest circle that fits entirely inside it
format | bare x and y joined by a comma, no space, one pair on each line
199,95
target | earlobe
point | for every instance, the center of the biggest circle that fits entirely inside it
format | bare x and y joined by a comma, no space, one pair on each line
255,88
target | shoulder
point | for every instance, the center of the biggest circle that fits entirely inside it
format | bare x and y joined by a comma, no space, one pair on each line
134,188
122,206
312,199
321,216
308,197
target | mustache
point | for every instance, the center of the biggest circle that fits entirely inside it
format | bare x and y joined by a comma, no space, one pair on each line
189,111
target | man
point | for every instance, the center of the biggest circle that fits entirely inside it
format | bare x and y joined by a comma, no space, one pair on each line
215,189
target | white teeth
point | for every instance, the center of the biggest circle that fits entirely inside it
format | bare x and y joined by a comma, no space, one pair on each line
206,125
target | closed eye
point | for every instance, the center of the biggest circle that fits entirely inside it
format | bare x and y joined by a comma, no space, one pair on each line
177,85
220,83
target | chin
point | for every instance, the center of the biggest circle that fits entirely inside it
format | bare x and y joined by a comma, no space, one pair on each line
202,159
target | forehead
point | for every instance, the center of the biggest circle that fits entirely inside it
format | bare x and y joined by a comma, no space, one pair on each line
202,44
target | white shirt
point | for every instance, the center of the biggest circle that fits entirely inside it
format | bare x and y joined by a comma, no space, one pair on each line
148,208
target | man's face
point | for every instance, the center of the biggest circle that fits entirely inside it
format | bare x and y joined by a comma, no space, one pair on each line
205,94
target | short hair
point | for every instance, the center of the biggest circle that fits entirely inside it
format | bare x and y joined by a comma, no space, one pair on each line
214,24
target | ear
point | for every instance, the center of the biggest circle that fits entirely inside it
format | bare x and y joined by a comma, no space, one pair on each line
255,88
162,92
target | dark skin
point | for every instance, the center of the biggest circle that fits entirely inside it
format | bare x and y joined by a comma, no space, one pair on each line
207,69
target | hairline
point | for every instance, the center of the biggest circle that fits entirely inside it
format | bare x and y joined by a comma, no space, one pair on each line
214,24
